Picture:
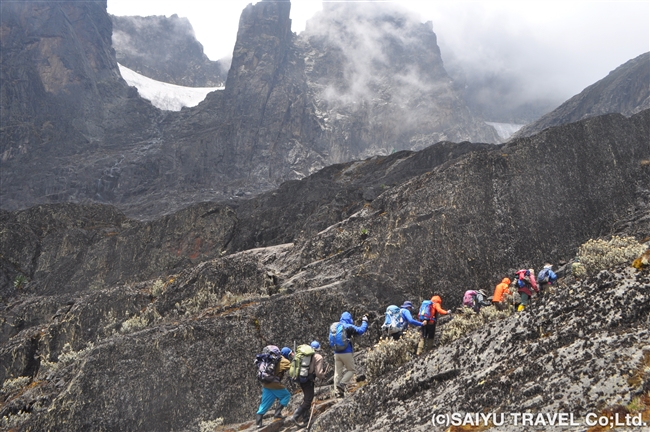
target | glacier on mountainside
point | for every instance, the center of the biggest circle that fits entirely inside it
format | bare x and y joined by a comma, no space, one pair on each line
505,130
168,97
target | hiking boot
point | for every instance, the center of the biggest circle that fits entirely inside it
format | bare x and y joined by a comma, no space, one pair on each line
258,420
296,415
278,413
340,391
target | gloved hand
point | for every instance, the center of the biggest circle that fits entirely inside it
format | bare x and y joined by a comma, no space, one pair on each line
365,318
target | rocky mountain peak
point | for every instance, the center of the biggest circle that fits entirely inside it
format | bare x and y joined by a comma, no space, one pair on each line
624,90
165,49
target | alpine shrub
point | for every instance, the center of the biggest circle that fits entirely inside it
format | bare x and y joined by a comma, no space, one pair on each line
389,354
469,320
597,255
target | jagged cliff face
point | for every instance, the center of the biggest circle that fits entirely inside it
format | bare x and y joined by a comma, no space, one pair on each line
164,49
170,354
625,90
379,83
583,350
283,115
66,113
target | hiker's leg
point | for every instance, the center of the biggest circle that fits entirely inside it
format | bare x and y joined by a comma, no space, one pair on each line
424,335
524,302
283,395
338,369
431,336
267,400
350,368
308,392
420,346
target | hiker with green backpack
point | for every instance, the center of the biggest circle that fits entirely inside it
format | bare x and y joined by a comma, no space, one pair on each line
340,334
307,365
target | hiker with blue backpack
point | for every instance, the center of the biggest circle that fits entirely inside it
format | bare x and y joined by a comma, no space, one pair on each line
307,365
340,334
428,314
271,365
545,279
398,320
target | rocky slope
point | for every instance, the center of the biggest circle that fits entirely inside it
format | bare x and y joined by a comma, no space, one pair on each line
73,130
625,90
586,349
166,50
169,353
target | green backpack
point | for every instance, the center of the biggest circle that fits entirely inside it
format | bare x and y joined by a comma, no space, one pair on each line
299,370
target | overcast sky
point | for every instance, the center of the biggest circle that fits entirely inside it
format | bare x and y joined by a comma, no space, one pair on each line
560,46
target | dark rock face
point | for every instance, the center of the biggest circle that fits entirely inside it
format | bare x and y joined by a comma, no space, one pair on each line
164,49
173,353
70,248
625,90
65,109
273,122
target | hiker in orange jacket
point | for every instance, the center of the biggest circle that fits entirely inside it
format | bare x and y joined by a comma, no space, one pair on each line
428,328
500,291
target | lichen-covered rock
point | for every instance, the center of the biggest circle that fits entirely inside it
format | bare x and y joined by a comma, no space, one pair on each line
171,348
581,350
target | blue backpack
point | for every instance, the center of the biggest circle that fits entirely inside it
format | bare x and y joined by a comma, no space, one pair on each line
339,340
394,322
426,311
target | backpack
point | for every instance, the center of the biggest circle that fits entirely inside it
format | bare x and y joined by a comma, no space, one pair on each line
299,370
468,298
426,311
523,278
394,322
338,337
266,362
542,277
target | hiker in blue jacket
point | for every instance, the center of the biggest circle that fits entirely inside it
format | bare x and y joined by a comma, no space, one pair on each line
406,310
343,350
545,279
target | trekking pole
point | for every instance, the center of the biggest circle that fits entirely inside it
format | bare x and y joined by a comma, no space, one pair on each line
313,405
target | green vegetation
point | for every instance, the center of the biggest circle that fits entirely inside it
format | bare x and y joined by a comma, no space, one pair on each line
20,281
597,255
469,320
389,354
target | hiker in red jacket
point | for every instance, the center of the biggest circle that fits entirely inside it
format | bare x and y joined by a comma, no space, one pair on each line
527,284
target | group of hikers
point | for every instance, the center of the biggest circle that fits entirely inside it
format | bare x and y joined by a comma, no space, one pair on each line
524,285
306,364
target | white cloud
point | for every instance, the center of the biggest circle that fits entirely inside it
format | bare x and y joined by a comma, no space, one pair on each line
553,46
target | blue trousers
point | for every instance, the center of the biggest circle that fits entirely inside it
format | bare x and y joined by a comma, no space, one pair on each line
269,396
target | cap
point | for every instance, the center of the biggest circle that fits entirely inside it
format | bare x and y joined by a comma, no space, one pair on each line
315,345
406,305
286,352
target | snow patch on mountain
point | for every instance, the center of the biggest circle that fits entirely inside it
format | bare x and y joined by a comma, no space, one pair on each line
505,130
168,97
